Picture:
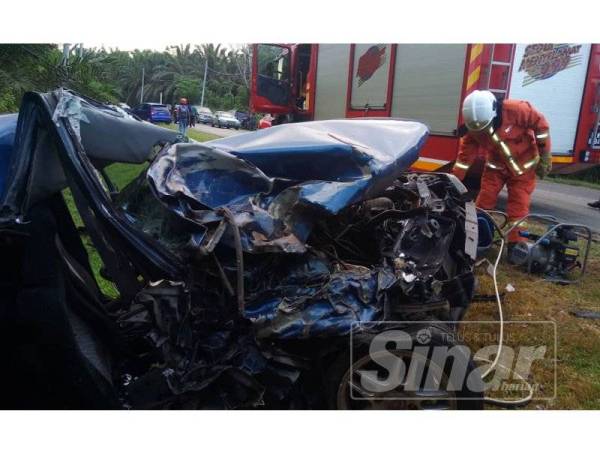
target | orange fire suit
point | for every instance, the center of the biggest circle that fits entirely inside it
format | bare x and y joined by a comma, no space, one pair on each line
512,146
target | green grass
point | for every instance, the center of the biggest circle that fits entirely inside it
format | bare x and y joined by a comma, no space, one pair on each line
121,175
573,181
195,134
106,286
586,178
578,351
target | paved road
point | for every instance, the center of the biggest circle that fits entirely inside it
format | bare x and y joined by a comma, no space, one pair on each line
566,203
223,132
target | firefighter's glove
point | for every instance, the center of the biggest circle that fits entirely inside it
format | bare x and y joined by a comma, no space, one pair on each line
544,166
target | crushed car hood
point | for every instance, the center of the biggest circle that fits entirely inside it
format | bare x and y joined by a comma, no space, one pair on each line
277,181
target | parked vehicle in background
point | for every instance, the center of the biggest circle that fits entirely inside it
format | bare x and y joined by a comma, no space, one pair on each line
153,112
243,118
204,115
223,119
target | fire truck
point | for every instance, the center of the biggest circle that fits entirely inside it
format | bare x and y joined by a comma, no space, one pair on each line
427,82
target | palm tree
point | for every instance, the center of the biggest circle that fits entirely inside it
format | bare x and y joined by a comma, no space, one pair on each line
21,70
129,74
113,75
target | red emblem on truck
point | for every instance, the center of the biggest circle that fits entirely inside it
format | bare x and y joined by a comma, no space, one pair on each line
369,62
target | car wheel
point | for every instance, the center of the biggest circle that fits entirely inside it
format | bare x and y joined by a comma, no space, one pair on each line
344,390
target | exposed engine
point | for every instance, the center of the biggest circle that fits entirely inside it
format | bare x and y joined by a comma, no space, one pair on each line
404,255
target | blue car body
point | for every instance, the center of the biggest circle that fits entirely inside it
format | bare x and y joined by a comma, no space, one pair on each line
324,166
153,112
279,183
241,263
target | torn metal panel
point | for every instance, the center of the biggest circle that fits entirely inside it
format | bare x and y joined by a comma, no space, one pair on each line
35,170
111,136
186,173
334,162
200,366
471,229
329,309
271,183
69,107
276,243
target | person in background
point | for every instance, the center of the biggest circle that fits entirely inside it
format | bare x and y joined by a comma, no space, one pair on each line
184,116
515,139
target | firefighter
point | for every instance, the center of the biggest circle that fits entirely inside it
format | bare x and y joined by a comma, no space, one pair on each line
515,139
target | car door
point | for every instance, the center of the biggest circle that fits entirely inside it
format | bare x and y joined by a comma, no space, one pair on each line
271,78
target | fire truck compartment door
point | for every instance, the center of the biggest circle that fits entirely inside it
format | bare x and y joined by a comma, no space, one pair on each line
427,84
370,76
273,87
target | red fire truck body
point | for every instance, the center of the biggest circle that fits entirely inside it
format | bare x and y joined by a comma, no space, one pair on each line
427,82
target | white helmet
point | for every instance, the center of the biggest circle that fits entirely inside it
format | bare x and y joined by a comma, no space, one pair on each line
479,109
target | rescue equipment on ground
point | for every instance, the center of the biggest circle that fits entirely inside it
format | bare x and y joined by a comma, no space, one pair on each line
555,253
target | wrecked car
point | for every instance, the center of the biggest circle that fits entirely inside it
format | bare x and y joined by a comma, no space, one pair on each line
242,265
